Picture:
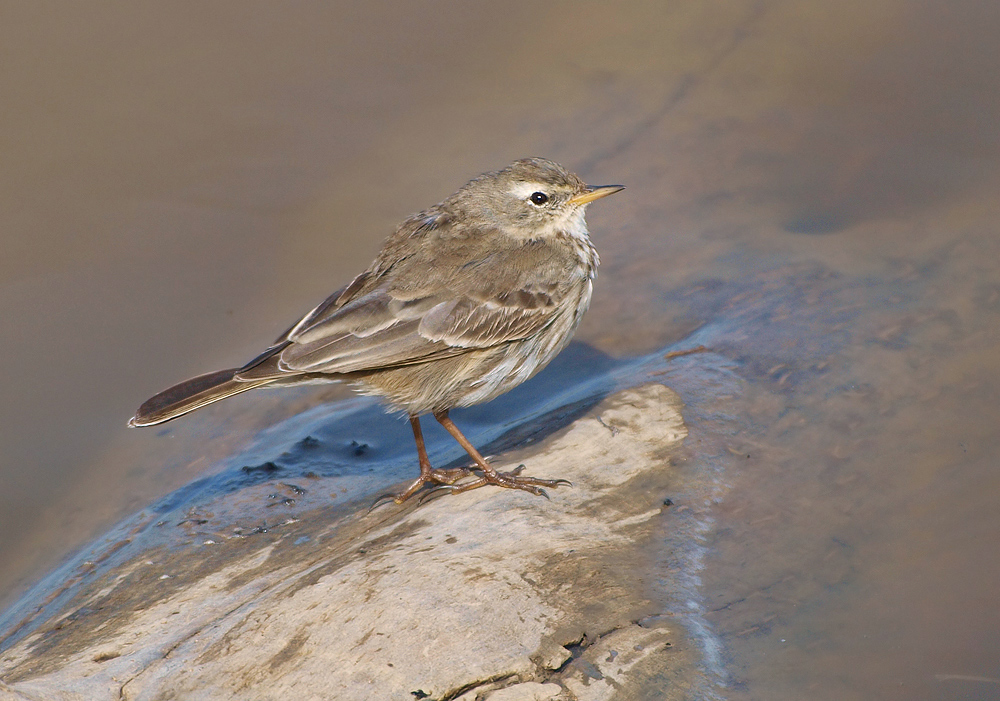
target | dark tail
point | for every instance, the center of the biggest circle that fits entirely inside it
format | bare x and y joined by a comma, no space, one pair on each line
192,394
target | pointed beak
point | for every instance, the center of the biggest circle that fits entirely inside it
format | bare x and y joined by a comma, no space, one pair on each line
595,192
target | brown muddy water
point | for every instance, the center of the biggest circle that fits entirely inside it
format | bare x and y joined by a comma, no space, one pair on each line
812,196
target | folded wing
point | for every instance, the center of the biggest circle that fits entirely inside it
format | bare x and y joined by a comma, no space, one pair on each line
381,329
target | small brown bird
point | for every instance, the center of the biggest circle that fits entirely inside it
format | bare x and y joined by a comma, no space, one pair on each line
466,300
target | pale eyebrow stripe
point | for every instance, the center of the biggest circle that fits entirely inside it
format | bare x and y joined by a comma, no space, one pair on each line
524,190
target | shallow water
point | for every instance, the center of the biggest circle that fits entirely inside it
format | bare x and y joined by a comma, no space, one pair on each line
812,196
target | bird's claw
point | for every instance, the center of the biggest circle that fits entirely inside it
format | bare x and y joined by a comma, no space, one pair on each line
435,492
437,477
447,482
383,500
508,480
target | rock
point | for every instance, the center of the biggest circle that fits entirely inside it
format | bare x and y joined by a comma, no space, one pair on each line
493,593
528,691
604,666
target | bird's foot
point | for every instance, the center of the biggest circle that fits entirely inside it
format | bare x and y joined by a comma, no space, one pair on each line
508,480
439,476
449,475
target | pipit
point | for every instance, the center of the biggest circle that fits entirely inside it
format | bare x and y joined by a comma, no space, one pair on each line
466,300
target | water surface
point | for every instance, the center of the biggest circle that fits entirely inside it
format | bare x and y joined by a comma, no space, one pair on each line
812,196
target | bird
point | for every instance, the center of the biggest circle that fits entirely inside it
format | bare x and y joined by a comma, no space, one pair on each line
465,301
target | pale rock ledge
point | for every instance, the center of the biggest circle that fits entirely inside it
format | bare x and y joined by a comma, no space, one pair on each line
493,594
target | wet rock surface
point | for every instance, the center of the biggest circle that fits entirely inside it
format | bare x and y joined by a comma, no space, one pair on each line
492,594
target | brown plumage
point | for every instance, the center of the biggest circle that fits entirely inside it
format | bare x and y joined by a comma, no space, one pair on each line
466,300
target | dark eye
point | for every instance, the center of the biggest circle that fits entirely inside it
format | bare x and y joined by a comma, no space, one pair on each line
539,198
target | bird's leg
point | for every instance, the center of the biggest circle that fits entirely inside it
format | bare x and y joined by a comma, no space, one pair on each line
511,480
431,474
427,473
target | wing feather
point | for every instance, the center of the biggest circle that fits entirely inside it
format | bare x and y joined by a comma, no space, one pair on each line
378,331
417,309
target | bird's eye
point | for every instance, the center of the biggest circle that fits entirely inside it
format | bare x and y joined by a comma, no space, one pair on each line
539,198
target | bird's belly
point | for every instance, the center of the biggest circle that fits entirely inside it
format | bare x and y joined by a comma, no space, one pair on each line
479,375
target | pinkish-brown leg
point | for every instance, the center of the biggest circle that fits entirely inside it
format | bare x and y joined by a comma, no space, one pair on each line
510,480
427,473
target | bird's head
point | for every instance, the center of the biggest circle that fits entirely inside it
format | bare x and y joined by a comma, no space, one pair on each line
530,199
